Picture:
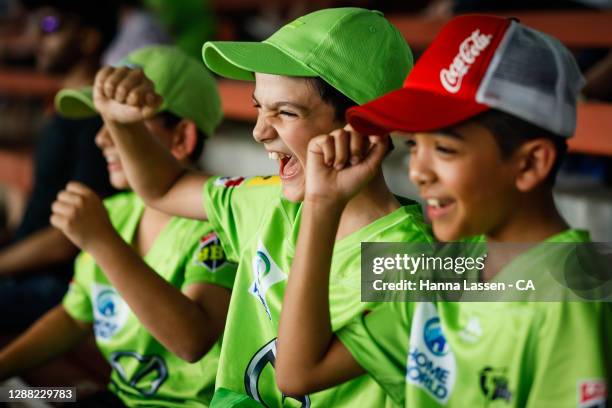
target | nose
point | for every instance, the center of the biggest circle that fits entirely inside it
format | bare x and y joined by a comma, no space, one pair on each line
420,171
103,138
263,131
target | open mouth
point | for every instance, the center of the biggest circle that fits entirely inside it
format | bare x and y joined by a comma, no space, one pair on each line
288,164
113,163
438,207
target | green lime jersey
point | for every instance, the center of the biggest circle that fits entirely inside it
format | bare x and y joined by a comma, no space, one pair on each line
258,229
143,371
501,354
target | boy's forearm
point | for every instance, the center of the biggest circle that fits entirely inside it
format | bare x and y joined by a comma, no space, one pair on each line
51,336
155,174
42,248
178,322
149,166
305,326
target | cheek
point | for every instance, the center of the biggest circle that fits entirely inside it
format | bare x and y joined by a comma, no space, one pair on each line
457,178
485,197
296,139
470,180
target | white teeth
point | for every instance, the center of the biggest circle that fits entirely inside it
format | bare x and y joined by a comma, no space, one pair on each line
277,156
433,202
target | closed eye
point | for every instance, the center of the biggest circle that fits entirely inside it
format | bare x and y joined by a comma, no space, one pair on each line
445,150
288,114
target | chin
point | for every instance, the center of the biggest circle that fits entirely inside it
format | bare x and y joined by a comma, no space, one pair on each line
293,194
119,183
447,234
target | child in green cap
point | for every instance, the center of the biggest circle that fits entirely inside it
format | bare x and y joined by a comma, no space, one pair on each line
154,288
306,75
487,110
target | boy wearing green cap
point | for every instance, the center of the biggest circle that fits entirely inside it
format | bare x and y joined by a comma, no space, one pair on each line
486,110
154,288
305,77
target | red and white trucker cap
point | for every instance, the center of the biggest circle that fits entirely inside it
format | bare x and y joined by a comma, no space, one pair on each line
476,63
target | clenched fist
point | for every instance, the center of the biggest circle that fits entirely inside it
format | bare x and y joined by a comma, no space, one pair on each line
80,215
125,95
341,163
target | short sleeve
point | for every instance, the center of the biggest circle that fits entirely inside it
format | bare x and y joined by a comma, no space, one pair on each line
208,264
379,343
236,207
77,301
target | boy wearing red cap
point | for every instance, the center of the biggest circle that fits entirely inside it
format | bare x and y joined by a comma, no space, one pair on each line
487,109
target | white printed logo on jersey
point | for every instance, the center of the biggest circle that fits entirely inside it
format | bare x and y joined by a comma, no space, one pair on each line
266,274
431,363
472,331
110,311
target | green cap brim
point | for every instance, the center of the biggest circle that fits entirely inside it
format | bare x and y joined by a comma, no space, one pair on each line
239,60
76,103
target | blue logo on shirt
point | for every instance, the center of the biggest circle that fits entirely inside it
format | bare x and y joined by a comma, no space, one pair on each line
110,311
105,303
434,338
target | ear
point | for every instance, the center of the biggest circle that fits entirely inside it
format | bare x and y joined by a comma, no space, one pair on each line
536,159
184,140
90,41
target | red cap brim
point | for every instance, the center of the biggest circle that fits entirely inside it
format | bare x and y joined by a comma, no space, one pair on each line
411,110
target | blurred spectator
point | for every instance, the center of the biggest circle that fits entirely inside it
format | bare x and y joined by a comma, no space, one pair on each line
36,266
190,22
18,34
137,28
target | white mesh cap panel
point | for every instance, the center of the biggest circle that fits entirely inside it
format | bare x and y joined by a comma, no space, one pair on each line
534,77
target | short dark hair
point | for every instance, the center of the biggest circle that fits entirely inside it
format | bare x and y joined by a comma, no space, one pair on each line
332,96
171,120
339,101
511,132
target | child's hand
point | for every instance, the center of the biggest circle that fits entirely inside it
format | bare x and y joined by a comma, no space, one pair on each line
125,95
340,164
80,215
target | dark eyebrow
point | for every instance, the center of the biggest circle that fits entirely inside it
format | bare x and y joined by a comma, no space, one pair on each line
451,132
293,105
279,104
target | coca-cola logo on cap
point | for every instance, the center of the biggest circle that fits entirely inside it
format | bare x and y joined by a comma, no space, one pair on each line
469,50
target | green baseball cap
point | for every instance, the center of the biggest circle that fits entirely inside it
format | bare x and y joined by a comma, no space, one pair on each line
188,89
357,51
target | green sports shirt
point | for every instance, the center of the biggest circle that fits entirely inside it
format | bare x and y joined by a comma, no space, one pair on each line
144,373
258,229
501,354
